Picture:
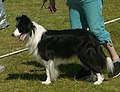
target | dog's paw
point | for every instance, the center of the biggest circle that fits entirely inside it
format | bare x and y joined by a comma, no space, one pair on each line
46,82
97,82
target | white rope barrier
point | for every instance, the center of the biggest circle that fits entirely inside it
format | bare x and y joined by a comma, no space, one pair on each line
108,22
12,53
25,49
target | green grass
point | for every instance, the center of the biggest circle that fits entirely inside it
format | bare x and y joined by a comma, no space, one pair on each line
23,74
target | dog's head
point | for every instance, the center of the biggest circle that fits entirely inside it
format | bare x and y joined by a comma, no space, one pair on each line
24,27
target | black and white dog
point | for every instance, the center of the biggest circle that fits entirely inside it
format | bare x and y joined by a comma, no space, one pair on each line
49,45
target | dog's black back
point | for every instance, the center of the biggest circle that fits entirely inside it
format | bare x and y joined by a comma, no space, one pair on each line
67,43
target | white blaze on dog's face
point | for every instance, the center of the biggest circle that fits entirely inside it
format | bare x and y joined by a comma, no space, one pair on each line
21,36
16,33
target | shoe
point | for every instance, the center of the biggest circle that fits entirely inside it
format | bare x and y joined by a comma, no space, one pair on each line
2,68
116,70
3,26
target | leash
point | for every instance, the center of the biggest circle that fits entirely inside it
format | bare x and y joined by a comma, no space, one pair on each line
43,5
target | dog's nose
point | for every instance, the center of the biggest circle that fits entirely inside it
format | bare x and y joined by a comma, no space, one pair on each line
13,34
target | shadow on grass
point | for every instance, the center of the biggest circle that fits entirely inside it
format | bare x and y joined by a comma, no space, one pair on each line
34,63
32,75
66,71
26,76
69,69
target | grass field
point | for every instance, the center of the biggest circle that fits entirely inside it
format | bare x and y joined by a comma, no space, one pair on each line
23,74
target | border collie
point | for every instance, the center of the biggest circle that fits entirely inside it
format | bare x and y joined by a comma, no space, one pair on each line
49,45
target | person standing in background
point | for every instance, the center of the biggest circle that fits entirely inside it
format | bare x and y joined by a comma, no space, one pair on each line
3,23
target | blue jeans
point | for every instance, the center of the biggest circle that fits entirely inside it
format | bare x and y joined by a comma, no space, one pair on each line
88,14
3,21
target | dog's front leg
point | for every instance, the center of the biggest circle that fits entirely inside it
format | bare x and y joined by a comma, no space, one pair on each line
48,80
51,72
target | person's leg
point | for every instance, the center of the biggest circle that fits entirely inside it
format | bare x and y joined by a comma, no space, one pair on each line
77,18
116,61
93,13
112,52
3,22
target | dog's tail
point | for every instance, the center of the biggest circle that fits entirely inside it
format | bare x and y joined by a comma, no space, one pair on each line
109,64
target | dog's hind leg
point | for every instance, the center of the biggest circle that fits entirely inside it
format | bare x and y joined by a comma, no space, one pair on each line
100,78
92,77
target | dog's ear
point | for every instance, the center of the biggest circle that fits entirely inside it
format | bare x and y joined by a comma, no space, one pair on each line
22,16
18,18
